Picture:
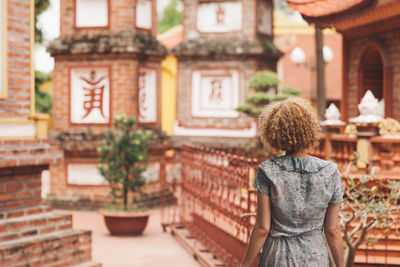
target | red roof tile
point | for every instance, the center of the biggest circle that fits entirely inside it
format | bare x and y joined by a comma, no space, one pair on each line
326,12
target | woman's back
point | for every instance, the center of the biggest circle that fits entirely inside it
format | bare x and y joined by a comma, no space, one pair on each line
300,190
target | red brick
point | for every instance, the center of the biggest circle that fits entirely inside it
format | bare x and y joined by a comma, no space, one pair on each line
38,222
8,237
13,214
33,185
14,187
34,211
23,195
18,225
6,196
3,228
32,202
47,230
14,204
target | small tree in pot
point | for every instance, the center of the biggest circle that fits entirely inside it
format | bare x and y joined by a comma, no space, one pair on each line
121,160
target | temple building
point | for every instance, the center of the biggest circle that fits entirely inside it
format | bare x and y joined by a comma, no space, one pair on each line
31,233
296,68
224,44
371,37
107,62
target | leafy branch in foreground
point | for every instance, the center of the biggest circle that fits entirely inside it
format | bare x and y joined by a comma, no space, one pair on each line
370,203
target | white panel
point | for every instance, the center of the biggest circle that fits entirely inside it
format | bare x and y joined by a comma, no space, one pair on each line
219,17
17,130
84,174
183,131
91,13
143,14
215,93
90,95
264,18
3,50
152,173
147,96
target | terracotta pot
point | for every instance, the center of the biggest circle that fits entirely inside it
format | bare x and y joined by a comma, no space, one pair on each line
125,223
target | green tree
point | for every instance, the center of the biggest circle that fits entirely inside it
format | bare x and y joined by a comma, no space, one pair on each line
171,16
262,82
43,101
40,7
125,148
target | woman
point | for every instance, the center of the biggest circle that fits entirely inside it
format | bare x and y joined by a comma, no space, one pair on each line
298,195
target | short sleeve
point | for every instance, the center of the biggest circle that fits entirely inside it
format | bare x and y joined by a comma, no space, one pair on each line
262,183
337,189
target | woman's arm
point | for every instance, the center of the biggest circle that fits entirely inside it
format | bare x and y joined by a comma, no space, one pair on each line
334,235
260,230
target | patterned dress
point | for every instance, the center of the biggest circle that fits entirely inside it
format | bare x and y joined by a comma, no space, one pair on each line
300,190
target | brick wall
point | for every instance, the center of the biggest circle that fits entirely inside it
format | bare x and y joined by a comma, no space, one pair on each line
248,22
122,18
17,103
246,70
20,187
123,90
391,40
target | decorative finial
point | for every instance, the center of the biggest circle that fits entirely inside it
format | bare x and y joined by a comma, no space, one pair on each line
370,109
332,116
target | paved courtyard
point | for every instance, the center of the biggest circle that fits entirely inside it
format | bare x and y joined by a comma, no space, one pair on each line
154,248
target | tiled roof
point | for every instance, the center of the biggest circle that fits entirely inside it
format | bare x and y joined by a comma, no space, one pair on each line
326,13
380,12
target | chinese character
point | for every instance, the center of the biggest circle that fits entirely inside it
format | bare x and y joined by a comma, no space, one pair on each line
216,91
142,95
93,94
220,15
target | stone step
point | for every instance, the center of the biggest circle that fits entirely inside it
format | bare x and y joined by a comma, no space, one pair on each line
25,212
31,225
88,264
60,248
379,260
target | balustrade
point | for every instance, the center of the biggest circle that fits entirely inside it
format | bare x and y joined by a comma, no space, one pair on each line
215,190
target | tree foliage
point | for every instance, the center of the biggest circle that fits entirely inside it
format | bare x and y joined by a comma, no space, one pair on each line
171,16
262,82
370,203
40,7
121,158
43,101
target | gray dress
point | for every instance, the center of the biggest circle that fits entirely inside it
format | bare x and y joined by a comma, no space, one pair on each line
300,190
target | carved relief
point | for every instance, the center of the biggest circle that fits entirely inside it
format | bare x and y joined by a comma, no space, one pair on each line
90,95
219,17
147,95
215,93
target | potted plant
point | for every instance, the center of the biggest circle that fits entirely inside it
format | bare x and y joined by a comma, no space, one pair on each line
121,163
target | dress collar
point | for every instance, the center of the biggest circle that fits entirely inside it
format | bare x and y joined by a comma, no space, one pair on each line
302,165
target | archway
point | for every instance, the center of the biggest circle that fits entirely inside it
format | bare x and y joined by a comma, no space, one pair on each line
374,74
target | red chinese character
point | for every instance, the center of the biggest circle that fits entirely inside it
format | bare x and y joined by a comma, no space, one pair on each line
142,95
216,90
220,15
93,94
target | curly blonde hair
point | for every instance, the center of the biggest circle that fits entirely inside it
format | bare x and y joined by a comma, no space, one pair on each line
290,125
